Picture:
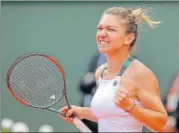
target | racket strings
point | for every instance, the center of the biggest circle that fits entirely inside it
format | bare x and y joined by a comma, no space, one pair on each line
36,85
37,80
27,82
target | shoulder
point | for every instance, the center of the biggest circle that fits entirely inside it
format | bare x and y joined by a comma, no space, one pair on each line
142,69
144,76
99,71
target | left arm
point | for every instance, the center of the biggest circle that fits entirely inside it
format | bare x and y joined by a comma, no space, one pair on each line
152,112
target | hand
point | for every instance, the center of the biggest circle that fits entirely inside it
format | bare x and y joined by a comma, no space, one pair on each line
123,100
68,112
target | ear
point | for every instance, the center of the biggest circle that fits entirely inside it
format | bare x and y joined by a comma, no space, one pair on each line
129,38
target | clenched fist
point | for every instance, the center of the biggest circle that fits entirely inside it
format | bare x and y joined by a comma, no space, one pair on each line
122,100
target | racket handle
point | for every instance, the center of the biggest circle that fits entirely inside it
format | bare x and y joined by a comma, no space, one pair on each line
80,125
61,113
55,111
77,122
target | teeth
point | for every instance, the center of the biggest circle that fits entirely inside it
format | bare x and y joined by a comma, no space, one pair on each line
103,42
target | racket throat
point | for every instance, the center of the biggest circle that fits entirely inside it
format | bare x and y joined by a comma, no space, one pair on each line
54,110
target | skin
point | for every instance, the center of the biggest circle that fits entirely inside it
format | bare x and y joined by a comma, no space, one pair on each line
134,84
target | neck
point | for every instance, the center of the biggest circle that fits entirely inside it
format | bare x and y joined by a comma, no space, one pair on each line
115,60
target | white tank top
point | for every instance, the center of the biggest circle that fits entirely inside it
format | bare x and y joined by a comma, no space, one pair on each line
110,117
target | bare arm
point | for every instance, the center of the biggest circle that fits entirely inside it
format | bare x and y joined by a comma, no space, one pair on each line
86,111
82,112
152,112
88,114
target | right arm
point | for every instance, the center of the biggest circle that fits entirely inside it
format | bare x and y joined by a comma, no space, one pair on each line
86,113
81,112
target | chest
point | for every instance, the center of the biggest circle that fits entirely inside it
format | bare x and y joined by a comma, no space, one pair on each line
103,101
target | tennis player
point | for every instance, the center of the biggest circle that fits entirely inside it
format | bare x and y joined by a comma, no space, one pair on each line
128,94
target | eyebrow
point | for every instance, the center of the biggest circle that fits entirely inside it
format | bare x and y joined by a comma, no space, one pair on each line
107,26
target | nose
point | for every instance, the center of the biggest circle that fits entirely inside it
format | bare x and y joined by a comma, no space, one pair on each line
102,33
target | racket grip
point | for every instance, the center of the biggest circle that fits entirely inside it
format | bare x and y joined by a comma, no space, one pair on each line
76,122
80,125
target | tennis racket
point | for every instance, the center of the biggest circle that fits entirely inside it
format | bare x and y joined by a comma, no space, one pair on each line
38,80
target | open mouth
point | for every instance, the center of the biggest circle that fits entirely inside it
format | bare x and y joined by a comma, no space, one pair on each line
103,43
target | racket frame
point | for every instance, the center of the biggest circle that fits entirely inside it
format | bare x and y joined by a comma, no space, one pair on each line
76,121
26,103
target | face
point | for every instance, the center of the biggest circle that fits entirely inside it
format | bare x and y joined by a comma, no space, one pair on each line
111,34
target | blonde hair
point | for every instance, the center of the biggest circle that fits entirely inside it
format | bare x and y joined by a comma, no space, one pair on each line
139,14
133,17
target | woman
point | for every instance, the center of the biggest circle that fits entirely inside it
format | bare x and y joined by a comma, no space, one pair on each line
128,94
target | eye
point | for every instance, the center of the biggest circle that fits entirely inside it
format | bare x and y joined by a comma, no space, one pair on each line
110,29
99,28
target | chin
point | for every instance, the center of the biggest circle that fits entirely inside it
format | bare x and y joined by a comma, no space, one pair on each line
102,51
105,51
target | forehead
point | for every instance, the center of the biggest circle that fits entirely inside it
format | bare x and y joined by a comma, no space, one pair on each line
110,20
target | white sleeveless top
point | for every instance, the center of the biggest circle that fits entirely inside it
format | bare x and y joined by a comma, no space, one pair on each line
110,117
